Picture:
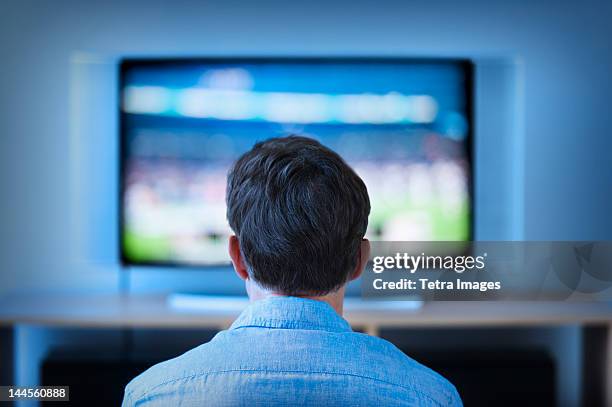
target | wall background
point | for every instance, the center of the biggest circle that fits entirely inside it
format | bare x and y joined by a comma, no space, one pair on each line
565,49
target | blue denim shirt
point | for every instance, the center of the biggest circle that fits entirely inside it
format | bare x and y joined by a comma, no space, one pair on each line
287,351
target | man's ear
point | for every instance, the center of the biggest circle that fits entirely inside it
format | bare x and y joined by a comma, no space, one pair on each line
362,261
236,256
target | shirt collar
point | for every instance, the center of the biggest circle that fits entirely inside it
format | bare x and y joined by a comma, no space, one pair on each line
291,313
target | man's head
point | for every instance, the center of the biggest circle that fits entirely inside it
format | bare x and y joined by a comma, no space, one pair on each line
299,213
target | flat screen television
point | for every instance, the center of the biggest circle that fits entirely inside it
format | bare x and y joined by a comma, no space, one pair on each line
403,124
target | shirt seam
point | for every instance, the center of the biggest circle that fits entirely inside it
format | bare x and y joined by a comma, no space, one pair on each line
216,372
299,325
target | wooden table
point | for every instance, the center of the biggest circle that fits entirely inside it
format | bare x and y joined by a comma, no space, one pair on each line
154,311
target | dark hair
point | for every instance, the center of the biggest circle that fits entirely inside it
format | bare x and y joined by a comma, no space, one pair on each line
299,212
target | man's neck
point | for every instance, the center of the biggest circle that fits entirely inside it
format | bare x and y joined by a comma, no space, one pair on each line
334,299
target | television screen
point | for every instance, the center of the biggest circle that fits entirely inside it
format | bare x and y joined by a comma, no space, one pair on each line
402,124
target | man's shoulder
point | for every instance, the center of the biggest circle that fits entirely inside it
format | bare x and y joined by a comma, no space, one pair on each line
355,355
398,368
165,373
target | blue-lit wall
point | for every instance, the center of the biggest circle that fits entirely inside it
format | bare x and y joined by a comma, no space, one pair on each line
564,120
564,49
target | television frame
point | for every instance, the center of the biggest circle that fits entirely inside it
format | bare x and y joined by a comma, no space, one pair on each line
126,63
